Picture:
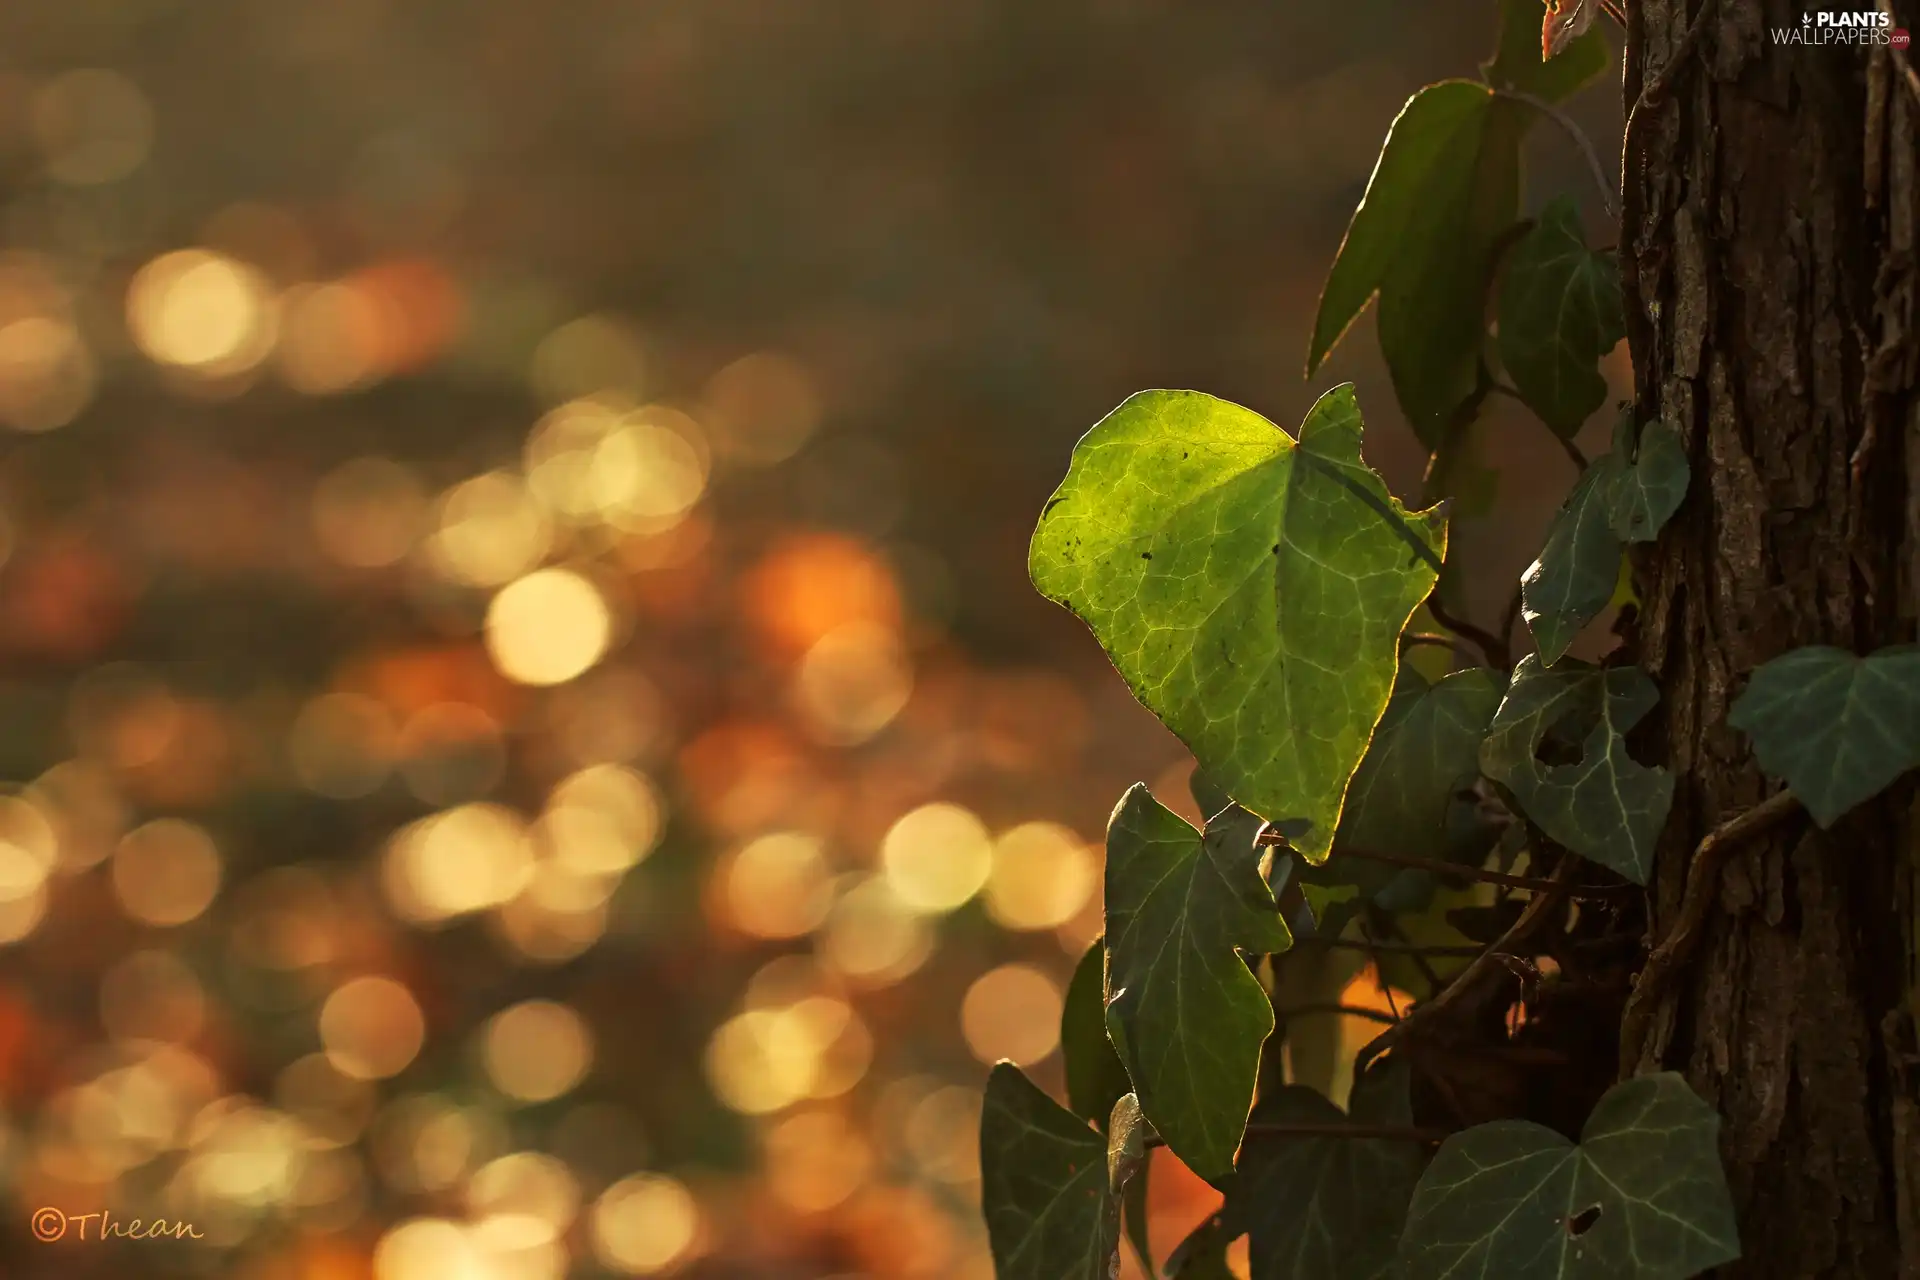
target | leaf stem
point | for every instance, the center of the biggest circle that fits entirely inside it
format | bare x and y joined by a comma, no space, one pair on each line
1441,867
1337,1129
1391,947
1572,451
1350,1010
1409,639
1573,130
1454,991
1703,878
1491,646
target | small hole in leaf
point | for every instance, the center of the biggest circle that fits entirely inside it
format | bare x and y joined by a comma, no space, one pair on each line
1582,1222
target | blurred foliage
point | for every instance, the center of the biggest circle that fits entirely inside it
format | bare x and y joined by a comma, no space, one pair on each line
530,749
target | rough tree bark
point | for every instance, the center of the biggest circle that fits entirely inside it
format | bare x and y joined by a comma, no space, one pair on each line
1770,266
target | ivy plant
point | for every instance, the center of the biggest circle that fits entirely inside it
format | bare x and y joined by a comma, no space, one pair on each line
1377,774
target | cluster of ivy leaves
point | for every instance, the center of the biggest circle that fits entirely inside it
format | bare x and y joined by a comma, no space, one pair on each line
1255,589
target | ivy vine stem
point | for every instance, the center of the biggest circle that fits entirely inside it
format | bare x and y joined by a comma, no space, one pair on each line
1454,991
1339,1129
1392,947
1492,647
1349,1010
1703,880
1440,866
1570,127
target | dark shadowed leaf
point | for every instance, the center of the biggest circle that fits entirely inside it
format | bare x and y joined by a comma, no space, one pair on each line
1186,1014
1095,1078
1604,805
1443,192
1647,480
1251,590
1572,581
1328,1208
1203,1254
1837,728
1208,795
1518,65
1515,1200
1426,748
1560,311
1044,1189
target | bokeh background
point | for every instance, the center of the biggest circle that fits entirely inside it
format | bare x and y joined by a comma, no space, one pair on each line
529,748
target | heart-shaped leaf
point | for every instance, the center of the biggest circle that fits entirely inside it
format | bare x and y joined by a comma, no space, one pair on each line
1444,190
1426,748
1052,1212
1328,1208
1647,479
1560,311
1572,581
1643,1195
1095,1078
1836,727
1251,590
1602,805
1180,910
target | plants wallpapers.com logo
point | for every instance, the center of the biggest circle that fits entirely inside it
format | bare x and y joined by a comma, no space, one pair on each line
1860,28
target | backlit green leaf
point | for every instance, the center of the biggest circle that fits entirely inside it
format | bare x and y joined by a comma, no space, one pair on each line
1044,1190
1328,1208
1642,1196
1186,1014
1250,589
1444,190
1647,479
1518,65
1560,311
1571,582
1601,804
1095,1078
1838,728
1425,749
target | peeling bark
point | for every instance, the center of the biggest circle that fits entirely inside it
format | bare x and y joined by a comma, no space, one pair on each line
1771,292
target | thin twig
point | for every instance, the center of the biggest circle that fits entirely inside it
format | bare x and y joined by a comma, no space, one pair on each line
1572,451
1572,129
1408,639
1350,1010
1338,1129
1390,947
1703,880
1441,867
1512,615
1491,646
1454,991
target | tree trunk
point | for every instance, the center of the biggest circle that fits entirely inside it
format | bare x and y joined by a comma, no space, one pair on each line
1771,299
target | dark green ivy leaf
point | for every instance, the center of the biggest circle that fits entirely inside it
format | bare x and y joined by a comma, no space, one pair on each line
1180,910
1051,1211
1095,1078
1328,1208
1604,806
1250,589
1203,1254
1643,1195
1426,748
1560,311
1572,581
1445,189
1647,479
1517,65
1837,728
